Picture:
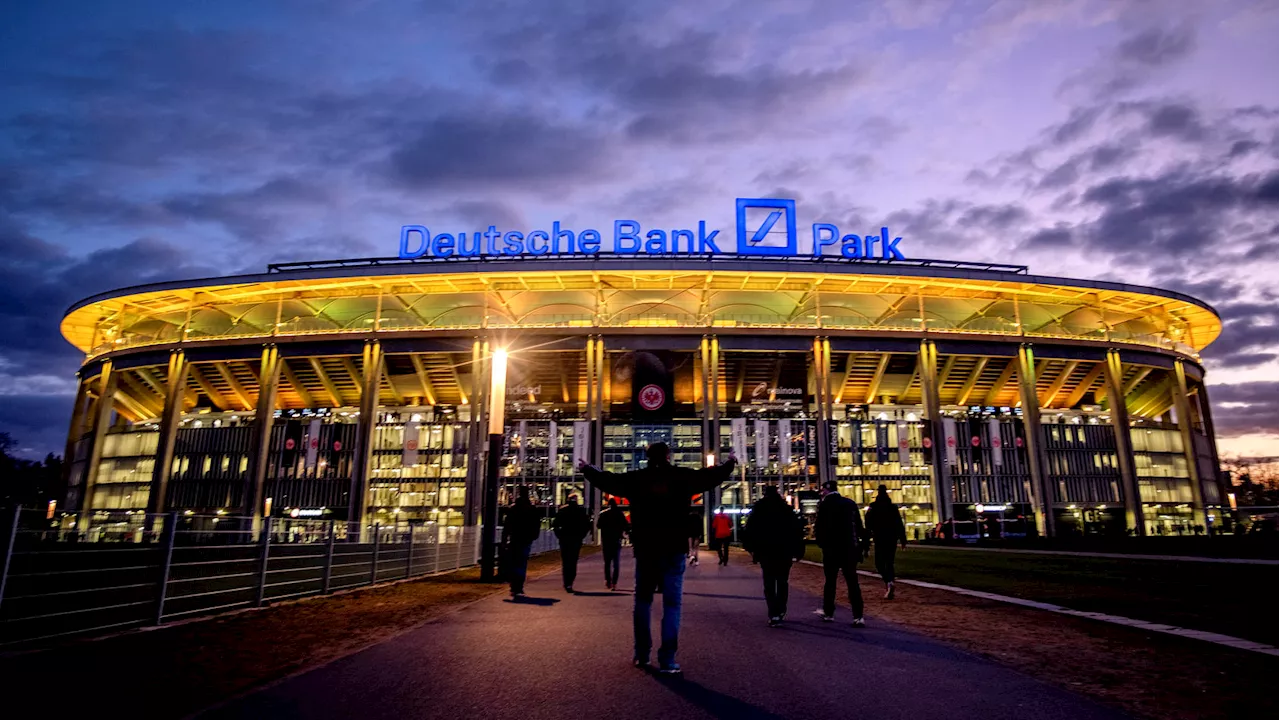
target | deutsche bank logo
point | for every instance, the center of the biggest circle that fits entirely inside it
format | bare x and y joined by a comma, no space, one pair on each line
767,227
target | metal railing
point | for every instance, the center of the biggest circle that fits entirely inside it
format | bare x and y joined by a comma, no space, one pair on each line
176,567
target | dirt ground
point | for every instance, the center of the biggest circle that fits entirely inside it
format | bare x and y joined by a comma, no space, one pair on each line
174,670
1146,674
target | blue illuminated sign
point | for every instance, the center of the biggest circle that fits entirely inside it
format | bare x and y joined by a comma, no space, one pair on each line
766,227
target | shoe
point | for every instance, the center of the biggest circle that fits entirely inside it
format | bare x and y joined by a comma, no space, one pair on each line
825,617
859,622
670,669
568,588
640,662
888,594
775,622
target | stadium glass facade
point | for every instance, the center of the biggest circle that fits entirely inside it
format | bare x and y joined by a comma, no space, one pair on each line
986,399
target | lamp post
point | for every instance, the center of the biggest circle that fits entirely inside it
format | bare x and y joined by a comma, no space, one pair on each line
489,515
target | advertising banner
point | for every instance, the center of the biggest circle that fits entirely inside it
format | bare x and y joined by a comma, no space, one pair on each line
652,384
882,442
949,439
553,448
313,442
904,445
762,443
997,443
581,442
523,439
409,458
738,438
784,442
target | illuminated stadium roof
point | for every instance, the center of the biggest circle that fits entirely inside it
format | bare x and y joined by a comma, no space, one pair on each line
729,295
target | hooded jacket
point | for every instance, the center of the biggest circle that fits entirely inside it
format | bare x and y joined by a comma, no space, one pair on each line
774,531
613,525
660,497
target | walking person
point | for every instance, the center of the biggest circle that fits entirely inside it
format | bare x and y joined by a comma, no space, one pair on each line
613,524
695,535
840,534
571,525
660,498
774,535
884,524
721,535
520,528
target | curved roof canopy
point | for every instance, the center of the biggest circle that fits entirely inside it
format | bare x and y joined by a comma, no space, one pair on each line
604,292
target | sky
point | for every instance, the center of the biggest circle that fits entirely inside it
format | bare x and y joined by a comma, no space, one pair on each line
149,141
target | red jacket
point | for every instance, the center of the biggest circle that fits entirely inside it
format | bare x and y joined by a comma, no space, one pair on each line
721,526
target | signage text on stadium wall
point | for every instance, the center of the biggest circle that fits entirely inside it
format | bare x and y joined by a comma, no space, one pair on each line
765,227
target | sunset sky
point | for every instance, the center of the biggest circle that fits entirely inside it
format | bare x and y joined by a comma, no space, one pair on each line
149,141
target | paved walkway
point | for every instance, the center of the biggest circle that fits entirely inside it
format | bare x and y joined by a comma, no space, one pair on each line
562,656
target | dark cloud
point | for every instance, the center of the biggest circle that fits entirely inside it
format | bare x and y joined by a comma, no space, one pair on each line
1157,46
1250,335
482,213
1245,408
1175,120
38,282
491,150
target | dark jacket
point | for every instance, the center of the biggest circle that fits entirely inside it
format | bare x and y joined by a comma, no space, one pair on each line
838,528
884,522
613,525
774,531
571,524
522,524
660,498
695,525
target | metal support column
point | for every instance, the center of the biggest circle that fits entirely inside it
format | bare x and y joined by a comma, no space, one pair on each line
1114,377
371,382
79,413
475,440
928,363
1206,413
822,395
101,421
590,414
597,428
1182,405
1042,492
175,392
263,421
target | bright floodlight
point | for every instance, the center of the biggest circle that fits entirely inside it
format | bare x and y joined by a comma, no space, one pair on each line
498,392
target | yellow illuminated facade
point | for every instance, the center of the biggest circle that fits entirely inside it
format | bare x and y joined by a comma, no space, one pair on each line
961,389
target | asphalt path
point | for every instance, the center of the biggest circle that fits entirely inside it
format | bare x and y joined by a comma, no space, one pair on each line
568,656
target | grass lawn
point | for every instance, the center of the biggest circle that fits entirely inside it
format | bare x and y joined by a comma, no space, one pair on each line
1237,600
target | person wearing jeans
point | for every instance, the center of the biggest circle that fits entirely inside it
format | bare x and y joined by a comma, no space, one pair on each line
660,496
664,572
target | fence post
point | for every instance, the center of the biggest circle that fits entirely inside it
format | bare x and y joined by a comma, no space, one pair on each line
377,535
167,537
262,565
328,559
408,565
11,539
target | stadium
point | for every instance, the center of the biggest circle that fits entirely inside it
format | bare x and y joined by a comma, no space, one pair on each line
988,400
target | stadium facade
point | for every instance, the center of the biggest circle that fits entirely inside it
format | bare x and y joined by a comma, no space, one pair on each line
357,389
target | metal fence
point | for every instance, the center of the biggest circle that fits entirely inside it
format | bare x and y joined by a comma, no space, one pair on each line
176,566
